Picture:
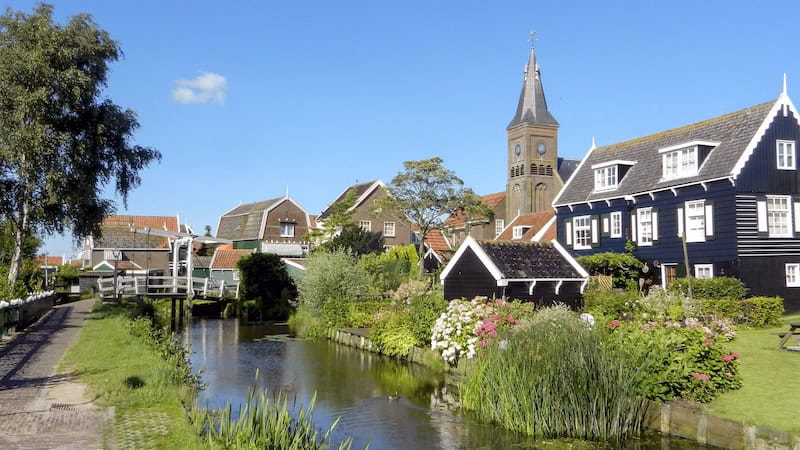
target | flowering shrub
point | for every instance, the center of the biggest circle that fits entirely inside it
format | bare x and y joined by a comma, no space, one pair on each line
469,325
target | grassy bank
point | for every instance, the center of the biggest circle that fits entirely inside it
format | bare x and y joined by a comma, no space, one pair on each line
122,371
769,394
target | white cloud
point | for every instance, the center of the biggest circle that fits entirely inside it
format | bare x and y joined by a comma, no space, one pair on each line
205,88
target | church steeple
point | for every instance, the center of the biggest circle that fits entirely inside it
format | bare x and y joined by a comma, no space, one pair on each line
532,106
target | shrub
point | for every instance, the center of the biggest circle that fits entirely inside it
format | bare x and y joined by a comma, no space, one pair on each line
267,284
423,311
725,307
624,268
410,289
393,333
710,288
661,305
556,377
762,311
387,271
330,275
613,304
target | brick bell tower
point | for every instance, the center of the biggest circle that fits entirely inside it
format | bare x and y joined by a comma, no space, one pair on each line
533,179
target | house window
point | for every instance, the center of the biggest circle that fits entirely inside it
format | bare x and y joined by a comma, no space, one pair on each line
605,178
366,225
645,225
793,275
680,163
703,271
516,233
287,229
616,224
388,229
582,229
779,220
499,225
786,157
235,275
695,221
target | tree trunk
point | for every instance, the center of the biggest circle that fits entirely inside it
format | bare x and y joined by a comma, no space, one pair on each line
422,255
21,229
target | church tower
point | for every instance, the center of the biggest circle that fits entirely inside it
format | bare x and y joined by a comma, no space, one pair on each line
533,179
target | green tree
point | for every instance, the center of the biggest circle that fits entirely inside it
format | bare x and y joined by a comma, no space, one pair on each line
426,193
30,246
61,140
339,217
474,210
357,240
264,279
331,276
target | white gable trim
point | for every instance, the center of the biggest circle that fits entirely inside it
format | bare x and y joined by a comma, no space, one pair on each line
555,203
632,197
616,162
781,104
539,234
570,259
470,242
687,145
366,194
432,252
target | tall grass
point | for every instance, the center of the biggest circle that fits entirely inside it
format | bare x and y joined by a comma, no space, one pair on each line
264,422
556,377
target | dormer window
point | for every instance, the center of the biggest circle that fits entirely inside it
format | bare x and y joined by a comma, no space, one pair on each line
519,231
684,160
607,175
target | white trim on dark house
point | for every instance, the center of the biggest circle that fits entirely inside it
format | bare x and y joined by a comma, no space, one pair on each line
471,243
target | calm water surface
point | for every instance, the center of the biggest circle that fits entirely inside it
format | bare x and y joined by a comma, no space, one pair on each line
353,385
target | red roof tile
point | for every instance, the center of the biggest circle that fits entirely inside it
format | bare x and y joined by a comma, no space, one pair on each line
168,223
436,240
50,260
456,220
535,221
227,259
313,220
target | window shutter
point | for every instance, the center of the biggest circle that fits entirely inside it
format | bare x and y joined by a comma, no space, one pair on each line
797,217
654,215
761,208
680,222
568,228
606,221
633,225
595,232
709,219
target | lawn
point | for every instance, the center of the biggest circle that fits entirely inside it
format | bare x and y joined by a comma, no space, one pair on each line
128,375
770,394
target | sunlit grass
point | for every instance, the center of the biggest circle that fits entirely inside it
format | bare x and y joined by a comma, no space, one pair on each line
123,372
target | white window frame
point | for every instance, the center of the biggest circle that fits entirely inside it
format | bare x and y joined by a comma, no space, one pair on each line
389,229
606,178
365,225
616,224
774,214
582,232
699,270
646,231
785,154
235,275
287,229
499,226
695,227
792,274
681,163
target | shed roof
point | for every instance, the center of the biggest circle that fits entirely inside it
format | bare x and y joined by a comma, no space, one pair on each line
536,221
227,259
168,223
123,237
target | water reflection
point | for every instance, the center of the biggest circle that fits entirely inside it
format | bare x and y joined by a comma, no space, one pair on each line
350,384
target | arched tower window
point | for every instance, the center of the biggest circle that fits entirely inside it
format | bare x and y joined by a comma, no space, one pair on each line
534,169
549,171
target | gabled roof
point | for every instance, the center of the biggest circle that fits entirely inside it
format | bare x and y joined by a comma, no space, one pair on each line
106,266
456,220
437,241
521,261
224,259
737,134
362,191
168,223
536,221
123,237
244,221
532,106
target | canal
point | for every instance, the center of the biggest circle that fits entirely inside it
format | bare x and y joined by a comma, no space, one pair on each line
356,386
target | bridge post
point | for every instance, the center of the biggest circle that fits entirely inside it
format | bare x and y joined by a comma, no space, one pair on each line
180,313
172,320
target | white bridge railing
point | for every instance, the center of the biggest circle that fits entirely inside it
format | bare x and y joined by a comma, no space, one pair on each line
161,285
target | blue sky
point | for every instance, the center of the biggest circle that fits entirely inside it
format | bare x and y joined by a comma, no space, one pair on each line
316,95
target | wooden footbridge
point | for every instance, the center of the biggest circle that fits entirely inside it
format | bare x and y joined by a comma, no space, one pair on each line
166,287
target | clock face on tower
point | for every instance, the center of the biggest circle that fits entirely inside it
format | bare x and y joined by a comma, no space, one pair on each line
517,150
541,148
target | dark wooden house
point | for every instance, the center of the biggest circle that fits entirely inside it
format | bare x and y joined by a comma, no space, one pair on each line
728,186
527,271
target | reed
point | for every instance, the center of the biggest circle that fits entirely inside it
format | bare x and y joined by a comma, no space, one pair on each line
265,422
557,377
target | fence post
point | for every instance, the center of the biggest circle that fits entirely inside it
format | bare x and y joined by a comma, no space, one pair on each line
222,289
205,287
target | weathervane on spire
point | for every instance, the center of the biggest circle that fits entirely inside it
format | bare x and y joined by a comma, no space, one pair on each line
532,39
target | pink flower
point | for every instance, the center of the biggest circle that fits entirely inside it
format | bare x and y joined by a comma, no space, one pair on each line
706,341
699,376
735,355
493,333
727,358
484,343
613,324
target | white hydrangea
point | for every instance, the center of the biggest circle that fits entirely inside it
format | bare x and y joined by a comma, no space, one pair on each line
454,331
